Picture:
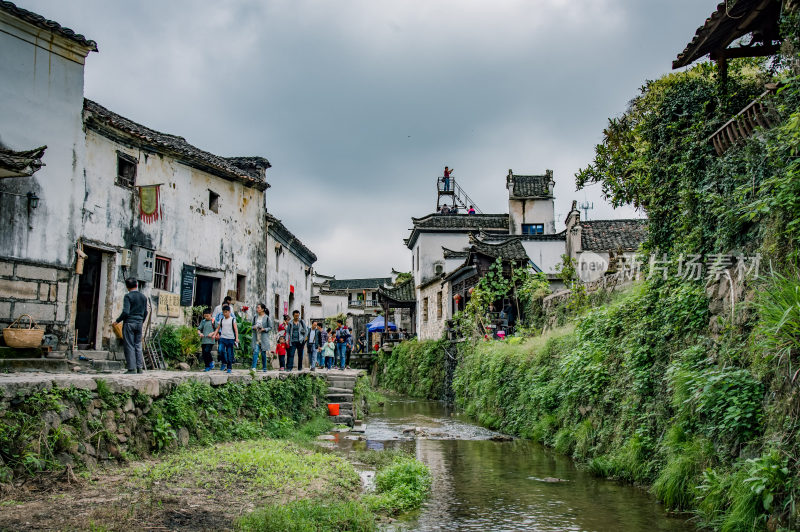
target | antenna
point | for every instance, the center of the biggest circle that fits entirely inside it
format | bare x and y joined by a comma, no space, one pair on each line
586,207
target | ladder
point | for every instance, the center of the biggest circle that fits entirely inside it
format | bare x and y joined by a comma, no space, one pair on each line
453,194
151,349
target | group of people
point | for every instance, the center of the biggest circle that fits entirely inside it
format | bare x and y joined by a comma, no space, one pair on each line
294,339
447,209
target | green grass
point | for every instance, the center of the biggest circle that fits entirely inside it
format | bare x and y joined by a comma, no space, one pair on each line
256,466
310,515
400,487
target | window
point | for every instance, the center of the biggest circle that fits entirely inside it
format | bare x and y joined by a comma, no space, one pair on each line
438,305
302,312
126,170
213,201
425,309
241,287
439,269
277,314
161,273
532,229
277,258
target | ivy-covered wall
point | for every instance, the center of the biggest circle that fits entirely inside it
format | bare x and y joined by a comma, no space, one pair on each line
94,421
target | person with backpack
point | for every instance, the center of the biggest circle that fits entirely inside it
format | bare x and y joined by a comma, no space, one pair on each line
262,326
217,314
206,332
228,334
342,336
296,333
314,343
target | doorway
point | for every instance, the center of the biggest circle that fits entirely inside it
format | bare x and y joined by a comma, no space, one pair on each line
206,290
88,299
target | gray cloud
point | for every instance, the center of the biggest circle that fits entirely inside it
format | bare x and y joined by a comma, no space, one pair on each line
359,104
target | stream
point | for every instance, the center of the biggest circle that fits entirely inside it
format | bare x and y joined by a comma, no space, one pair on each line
480,484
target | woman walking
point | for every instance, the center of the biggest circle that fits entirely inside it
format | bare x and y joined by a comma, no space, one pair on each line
262,326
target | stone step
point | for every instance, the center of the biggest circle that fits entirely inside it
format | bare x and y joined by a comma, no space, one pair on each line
343,419
107,366
340,397
17,353
91,355
332,389
342,405
48,365
339,383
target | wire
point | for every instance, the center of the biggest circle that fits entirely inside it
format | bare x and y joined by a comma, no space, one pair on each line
728,13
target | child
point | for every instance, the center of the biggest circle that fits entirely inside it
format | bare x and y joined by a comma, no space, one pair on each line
206,332
329,351
280,350
228,334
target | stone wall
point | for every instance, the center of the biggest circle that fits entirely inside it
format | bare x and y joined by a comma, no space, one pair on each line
433,327
38,290
85,420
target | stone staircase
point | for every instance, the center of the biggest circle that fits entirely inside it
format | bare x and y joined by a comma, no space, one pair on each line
41,360
340,390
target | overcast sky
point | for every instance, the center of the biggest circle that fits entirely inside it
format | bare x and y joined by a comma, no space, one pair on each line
358,105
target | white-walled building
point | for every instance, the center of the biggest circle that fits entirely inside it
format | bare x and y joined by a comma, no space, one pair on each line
41,106
89,198
289,272
449,252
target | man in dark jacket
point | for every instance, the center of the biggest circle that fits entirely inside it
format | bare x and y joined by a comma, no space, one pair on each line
134,311
296,333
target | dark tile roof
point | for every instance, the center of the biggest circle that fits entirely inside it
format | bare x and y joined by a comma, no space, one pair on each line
106,122
402,293
287,238
255,166
452,254
730,21
455,223
613,235
510,249
357,284
462,221
20,163
531,186
45,24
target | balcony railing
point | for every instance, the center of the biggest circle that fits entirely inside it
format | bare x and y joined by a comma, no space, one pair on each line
758,113
369,303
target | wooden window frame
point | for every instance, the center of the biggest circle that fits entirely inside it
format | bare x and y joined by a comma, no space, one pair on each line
165,276
121,180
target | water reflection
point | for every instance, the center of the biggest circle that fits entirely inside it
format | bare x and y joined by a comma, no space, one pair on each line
481,484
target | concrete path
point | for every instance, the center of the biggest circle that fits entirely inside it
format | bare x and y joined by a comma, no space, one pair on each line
152,383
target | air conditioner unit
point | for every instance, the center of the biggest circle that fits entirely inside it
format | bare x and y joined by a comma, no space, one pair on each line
127,256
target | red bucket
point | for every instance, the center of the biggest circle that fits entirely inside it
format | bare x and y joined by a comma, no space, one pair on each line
333,409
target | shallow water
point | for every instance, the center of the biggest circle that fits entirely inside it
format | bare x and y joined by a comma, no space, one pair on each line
481,484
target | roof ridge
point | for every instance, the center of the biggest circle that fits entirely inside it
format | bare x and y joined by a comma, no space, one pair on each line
173,142
47,24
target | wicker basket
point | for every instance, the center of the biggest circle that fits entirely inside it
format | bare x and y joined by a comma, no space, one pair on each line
16,335
117,328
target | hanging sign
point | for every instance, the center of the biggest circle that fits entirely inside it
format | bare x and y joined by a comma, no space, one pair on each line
187,285
149,204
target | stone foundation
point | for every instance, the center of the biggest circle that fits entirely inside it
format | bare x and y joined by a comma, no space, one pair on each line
38,290
52,420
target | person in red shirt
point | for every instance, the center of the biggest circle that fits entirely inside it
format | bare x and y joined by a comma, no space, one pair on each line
280,350
446,178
